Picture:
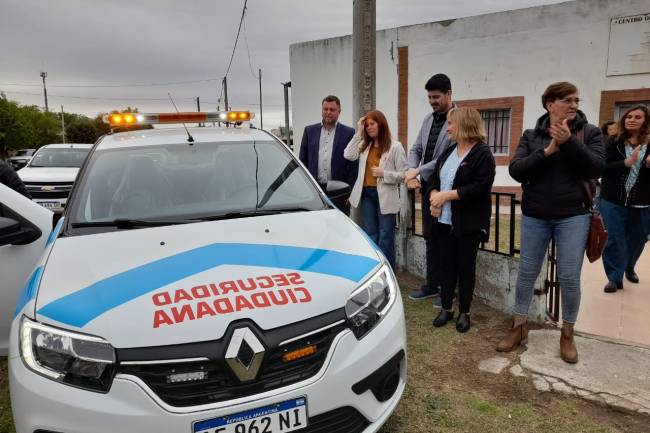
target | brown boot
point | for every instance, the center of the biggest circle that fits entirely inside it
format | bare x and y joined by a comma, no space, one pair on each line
517,335
568,351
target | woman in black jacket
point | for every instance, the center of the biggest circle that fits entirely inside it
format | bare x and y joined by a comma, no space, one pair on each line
551,161
460,200
625,197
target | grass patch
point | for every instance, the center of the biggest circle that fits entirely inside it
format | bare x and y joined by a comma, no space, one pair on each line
446,393
6,420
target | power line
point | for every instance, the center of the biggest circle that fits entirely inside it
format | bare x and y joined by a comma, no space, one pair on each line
250,65
101,98
232,56
170,83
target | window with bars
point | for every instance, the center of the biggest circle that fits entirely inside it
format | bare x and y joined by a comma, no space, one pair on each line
497,127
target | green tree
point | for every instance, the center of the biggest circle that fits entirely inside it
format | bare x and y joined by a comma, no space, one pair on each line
15,132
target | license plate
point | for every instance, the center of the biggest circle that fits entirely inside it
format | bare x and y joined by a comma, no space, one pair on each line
288,416
50,204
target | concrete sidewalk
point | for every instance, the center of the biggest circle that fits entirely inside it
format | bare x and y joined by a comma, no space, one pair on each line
624,315
608,373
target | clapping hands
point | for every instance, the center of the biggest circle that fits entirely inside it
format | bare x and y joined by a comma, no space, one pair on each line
560,132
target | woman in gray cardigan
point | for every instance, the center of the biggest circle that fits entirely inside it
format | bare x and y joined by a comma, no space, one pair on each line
382,165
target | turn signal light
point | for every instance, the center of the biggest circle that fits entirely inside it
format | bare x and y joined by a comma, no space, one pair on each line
123,119
299,353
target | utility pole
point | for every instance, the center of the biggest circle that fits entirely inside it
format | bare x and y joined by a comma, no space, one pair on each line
43,75
286,86
225,92
261,115
364,27
198,108
62,125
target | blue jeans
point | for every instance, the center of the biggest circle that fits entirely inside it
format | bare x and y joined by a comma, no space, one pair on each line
380,228
570,236
628,229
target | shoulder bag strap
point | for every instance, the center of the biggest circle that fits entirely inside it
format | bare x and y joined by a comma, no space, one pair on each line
586,187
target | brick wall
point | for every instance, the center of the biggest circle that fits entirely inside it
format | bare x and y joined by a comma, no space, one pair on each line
609,99
516,106
402,97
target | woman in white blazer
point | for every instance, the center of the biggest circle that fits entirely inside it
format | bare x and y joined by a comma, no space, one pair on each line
382,165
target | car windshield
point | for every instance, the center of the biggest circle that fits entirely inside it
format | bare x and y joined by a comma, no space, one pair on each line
24,153
69,157
181,182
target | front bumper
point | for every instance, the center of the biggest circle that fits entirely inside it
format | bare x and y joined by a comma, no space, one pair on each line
130,406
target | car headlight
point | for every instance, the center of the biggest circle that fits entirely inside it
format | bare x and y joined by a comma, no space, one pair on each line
75,359
370,302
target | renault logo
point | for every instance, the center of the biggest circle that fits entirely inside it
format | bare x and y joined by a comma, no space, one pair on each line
244,354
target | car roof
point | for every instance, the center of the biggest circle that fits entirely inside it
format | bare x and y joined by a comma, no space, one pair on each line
151,137
67,146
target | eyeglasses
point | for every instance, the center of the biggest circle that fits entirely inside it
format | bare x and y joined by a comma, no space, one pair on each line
570,101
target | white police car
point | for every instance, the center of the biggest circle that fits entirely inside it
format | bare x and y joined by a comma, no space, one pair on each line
199,282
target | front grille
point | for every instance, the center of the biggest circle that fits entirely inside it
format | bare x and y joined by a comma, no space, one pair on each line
219,382
342,420
49,190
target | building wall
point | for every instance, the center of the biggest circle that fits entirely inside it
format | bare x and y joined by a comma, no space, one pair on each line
508,54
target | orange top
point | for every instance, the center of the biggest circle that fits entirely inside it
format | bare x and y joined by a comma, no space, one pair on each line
374,155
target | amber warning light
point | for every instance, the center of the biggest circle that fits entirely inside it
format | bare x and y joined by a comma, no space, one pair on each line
299,353
126,119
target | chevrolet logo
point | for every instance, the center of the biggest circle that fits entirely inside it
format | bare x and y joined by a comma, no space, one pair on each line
244,354
47,188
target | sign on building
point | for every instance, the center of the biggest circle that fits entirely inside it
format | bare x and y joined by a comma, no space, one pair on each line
629,45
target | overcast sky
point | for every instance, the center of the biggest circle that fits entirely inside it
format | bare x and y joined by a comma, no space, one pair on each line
91,49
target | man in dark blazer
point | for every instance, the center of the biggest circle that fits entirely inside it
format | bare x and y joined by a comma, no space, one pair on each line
321,149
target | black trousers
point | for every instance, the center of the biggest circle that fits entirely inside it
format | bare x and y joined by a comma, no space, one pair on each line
431,246
458,260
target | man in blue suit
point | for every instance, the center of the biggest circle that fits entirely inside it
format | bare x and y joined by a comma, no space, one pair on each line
321,149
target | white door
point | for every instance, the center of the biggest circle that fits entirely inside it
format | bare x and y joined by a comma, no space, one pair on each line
17,261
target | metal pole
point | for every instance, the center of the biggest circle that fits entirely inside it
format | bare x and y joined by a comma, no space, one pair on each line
261,115
198,108
43,75
364,27
225,92
62,125
286,113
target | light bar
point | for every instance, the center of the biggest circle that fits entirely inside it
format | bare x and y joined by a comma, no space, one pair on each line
127,119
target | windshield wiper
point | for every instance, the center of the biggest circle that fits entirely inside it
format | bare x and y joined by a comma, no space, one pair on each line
282,177
251,213
123,223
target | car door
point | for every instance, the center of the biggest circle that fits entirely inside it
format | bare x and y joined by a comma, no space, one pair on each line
24,230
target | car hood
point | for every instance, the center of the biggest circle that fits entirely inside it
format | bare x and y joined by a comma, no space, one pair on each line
48,174
186,283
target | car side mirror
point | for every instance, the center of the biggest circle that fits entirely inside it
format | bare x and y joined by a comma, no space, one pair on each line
338,192
13,233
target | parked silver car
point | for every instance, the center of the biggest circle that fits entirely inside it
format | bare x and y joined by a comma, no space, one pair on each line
21,158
